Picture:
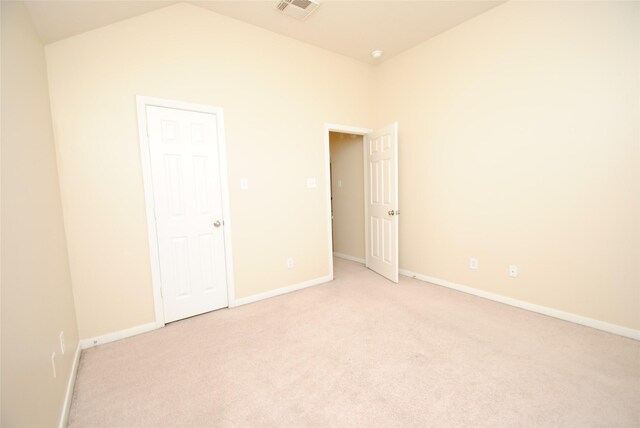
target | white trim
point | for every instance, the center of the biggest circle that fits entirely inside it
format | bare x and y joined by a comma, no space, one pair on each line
226,211
117,335
328,127
346,129
348,257
555,313
365,181
142,102
283,290
145,160
327,186
68,397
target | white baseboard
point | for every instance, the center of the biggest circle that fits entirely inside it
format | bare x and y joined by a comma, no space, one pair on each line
68,397
566,316
117,335
144,328
348,257
283,290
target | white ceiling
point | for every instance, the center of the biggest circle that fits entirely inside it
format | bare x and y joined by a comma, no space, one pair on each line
350,27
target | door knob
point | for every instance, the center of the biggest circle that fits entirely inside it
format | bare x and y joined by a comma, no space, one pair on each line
391,212
216,223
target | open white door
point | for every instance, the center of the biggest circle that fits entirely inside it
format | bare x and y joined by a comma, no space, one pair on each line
381,201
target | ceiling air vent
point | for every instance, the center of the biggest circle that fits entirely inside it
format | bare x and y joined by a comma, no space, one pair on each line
299,9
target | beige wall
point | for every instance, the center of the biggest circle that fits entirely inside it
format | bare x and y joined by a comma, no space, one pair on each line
37,301
520,144
347,166
276,94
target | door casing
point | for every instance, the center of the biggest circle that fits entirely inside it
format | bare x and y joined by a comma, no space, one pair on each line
142,103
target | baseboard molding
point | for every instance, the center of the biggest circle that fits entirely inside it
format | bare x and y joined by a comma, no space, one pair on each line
283,290
566,316
348,257
68,397
144,328
117,335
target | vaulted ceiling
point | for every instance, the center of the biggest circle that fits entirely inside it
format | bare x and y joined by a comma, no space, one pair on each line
350,27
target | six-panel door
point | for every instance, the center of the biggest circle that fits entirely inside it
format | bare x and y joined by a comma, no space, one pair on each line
381,196
184,155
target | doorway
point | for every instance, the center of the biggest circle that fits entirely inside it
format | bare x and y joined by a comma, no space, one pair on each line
184,171
347,195
380,190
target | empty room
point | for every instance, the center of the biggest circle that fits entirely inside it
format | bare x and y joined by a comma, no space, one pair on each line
303,213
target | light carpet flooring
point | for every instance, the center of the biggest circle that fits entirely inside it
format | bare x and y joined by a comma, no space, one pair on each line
363,352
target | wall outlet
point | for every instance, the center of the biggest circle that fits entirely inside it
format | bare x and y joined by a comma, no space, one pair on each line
513,271
473,263
339,183
244,184
62,345
290,262
311,183
53,364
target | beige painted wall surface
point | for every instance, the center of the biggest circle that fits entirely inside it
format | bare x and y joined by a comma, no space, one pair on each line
520,144
37,300
276,94
348,201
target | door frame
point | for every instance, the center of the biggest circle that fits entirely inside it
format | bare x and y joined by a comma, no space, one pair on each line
145,157
332,127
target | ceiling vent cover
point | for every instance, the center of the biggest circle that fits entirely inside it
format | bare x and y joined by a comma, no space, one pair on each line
299,9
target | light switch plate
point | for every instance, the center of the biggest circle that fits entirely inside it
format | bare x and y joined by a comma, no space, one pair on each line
244,184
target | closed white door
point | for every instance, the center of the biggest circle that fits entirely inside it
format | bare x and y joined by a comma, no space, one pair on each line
183,148
381,199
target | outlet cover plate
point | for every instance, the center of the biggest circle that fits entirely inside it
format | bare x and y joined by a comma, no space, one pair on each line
513,271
